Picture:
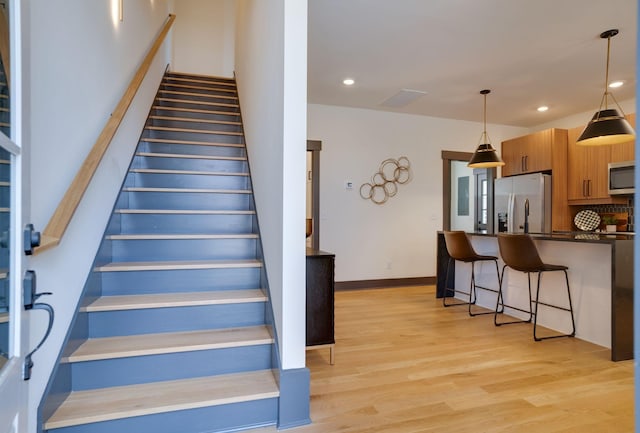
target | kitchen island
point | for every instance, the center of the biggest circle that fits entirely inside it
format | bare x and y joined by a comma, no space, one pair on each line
600,276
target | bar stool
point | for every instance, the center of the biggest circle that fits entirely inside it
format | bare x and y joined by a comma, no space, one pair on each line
519,252
459,248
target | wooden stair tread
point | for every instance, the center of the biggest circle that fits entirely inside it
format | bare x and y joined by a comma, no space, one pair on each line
186,190
192,142
196,120
189,101
177,265
167,300
190,131
127,401
185,212
4,317
176,236
127,346
185,172
194,110
200,95
191,156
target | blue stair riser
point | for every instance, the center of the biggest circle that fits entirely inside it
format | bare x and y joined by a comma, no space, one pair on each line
4,338
194,135
194,124
176,319
181,280
203,113
186,224
223,418
183,103
208,181
183,200
5,197
183,249
197,164
5,172
170,366
193,149
206,89
186,94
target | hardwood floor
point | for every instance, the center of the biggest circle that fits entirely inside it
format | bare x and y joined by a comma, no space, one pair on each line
406,364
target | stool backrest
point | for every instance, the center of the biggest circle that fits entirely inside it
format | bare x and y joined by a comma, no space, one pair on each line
458,245
519,252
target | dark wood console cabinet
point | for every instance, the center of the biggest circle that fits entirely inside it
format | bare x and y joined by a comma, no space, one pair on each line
320,300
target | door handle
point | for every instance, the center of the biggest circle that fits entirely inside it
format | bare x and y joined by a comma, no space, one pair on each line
30,296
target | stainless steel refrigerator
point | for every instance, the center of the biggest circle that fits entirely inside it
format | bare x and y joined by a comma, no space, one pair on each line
510,202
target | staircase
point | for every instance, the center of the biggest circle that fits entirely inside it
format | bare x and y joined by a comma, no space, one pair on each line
172,335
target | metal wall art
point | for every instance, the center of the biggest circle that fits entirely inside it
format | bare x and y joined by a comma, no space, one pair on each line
384,184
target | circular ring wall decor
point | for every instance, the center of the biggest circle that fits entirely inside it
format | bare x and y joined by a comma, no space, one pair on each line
384,184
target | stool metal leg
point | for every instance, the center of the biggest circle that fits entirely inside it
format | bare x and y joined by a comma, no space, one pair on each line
503,305
474,289
447,289
570,310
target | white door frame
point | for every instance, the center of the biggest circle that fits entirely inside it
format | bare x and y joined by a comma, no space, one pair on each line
14,410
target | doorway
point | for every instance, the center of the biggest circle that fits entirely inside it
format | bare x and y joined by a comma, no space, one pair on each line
467,196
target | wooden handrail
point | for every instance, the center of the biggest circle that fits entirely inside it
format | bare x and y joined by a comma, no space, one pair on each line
66,208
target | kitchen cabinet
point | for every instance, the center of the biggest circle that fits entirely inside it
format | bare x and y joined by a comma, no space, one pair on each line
320,301
587,172
528,154
542,151
625,151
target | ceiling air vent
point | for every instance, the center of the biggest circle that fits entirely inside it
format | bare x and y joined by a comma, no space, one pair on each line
403,98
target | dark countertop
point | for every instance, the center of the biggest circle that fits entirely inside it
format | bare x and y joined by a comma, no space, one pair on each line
589,237
318,253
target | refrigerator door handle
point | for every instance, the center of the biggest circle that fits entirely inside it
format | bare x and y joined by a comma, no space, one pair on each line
510,216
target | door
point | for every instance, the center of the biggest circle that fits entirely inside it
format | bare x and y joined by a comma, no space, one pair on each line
14,328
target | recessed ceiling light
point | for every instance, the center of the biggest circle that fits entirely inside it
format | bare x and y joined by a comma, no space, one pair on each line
543,108
615,84
348,81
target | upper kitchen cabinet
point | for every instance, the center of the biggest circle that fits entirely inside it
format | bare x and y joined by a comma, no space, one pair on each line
587,172
625,151
529,154
542,151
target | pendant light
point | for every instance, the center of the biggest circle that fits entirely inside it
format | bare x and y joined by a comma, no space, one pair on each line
608,125
485,155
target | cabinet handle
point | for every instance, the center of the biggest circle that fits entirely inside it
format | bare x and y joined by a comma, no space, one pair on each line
522,163
526,162
589,187
584,188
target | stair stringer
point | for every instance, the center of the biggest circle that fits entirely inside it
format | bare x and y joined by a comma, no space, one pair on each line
294,384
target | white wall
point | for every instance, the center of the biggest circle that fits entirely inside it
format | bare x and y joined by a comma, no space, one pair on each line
204,37
397,239
271,73
77,77
581,119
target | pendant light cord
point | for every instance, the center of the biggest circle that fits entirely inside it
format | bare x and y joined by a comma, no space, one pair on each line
606,76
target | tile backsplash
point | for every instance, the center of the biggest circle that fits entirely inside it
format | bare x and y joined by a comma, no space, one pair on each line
607,208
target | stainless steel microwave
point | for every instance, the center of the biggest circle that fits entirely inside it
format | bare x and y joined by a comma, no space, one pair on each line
622,177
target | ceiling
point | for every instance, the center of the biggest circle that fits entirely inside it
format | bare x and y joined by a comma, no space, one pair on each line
528,52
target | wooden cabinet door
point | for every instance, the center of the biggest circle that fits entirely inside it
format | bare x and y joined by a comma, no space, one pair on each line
528,154
576,166
537,152
587,169
625,151
512,156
